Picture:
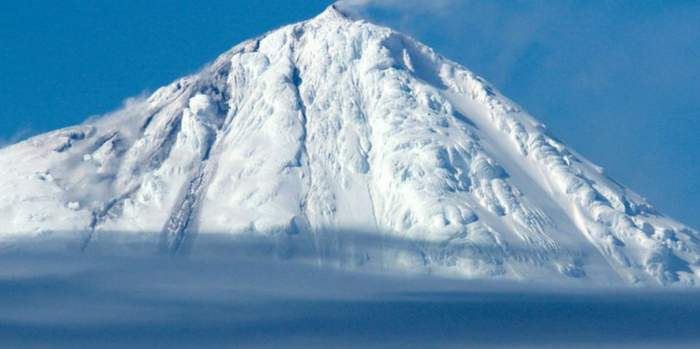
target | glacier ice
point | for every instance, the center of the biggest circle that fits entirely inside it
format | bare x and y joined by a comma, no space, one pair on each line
352,143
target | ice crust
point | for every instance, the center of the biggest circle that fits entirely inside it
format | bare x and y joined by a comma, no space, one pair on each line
321,134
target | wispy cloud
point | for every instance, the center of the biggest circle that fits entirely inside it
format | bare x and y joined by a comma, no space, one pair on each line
20,135
360,7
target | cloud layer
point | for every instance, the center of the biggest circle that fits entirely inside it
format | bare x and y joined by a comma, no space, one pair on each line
68,301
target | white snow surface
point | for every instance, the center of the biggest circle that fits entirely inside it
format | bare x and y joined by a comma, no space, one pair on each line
351,142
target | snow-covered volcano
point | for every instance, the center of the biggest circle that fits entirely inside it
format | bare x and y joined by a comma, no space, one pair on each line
331,132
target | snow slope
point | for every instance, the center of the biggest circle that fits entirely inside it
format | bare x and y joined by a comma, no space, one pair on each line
352,143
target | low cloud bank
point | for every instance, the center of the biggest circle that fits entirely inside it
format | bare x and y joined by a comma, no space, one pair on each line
153,301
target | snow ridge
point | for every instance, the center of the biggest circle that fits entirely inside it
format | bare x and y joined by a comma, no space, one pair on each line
353,142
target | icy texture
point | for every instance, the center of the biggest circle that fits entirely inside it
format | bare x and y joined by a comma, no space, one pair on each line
352,140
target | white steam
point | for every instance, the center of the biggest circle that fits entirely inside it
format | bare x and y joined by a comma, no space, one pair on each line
359,7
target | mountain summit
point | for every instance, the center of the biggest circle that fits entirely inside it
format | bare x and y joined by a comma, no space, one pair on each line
330,132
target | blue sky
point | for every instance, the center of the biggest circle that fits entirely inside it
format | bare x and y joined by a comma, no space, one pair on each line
619,81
